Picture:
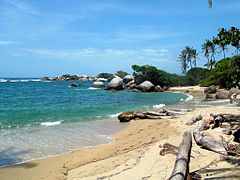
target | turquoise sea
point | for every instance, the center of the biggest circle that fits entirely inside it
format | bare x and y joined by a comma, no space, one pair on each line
40,119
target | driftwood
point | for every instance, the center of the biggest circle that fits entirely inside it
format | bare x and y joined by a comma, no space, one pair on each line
194,120
168,149
130,115
181,166
208,142
203,126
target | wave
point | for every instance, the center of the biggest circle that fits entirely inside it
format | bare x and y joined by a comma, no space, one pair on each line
114,115
3,80
190,97
158,106
92,88
51,123
20,80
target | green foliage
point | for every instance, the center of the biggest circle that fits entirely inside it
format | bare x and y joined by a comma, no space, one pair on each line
104,75
70,77
162,78
187,58
209,52
196,75
150,73
234,35
121,74
226,73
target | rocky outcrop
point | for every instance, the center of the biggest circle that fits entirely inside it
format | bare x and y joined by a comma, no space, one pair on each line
145,86
115,83
73,85
102,79
223,95
98,84
234,91
112,77
130,85
165,88
128,78
210,90
158,89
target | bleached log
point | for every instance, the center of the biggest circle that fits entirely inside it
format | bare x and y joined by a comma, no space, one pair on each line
181,166
194,120
208,142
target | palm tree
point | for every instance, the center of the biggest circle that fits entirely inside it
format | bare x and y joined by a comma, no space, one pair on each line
183,60
209,49
194,56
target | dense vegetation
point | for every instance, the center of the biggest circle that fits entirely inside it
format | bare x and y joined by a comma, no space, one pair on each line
104,75
121,74
162,78
226,73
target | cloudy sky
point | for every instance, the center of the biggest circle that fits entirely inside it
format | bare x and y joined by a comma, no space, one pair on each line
54,37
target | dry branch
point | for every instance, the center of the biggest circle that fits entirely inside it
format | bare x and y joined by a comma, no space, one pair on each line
181,166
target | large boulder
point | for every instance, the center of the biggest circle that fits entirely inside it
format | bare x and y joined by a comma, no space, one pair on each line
73,85
98,84
102,79
234,91
115,83
210,90
158,89
223,95
165,88
128,78
145,86
112,77
130,85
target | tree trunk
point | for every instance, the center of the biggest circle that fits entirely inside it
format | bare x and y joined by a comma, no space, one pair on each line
181,166
208,142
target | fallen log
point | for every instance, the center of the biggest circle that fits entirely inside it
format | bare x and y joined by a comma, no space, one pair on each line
194,120
208,142
168,149
181,166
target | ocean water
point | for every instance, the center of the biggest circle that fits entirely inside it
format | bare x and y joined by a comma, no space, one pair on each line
40,119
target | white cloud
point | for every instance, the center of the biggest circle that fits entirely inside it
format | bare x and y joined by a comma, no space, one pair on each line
26,8
8,42
92,54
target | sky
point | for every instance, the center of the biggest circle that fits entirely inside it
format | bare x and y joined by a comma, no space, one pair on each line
46,38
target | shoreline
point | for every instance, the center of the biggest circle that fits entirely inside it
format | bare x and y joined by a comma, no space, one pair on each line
129,142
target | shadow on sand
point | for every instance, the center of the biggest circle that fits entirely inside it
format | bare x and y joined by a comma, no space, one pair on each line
11,157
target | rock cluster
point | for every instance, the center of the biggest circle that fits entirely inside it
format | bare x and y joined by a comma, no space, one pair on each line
68,77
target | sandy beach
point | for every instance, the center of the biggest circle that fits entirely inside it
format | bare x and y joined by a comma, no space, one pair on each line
134,154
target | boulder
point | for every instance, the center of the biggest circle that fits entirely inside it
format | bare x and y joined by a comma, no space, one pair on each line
210,90
130,85
234,91
165,88
112,77
73,85
128,78
158,89
80,85
145,86
223,95
102,79
98,84
115,83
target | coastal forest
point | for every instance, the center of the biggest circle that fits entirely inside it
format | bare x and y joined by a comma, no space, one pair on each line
224,73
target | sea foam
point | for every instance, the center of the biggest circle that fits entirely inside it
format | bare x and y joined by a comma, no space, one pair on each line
158,106
51,123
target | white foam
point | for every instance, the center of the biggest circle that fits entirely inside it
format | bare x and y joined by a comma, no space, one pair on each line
3,80
158,106
190,97
92,88
114,115
51,123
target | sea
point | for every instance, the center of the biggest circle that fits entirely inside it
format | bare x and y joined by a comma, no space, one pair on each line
40,119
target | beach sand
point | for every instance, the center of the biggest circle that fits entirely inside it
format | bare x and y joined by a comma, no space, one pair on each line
133,155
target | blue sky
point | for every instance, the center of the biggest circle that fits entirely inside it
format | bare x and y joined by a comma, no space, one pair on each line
46,38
